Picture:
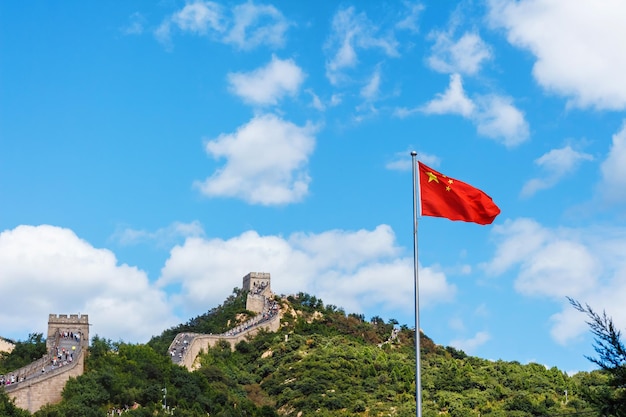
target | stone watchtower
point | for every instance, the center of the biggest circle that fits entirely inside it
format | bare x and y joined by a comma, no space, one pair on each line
77,324
256,280
258,286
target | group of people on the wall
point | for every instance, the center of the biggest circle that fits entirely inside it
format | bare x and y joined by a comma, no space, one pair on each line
57,357
270,309
258,287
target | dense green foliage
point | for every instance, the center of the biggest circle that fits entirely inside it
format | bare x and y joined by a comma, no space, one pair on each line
321,362
23,353
8,409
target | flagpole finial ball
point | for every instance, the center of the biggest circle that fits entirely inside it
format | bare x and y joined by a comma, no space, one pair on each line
413,153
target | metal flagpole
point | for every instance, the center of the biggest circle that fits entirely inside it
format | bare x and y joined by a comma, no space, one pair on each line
418,366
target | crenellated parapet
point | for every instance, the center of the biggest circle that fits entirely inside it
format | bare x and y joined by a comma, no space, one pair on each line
76,325
254,280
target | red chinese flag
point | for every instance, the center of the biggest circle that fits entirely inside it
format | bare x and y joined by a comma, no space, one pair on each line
443,196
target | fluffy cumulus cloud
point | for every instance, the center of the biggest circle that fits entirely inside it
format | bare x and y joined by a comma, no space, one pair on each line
576,44
494,116
51,270
47,269
585,264
613,184
352,31
200,18
555,165
249,26
266,162
452,101
358,270
267,85
497,118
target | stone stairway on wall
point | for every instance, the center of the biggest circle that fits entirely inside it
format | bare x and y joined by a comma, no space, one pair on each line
62,353
41,382
186,346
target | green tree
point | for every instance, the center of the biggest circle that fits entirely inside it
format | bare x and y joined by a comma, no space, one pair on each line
610,401
8,408
24,353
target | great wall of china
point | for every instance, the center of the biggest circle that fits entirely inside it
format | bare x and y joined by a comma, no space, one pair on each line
186,347
42,381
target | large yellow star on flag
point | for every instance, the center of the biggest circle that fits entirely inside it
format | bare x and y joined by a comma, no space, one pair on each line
432,177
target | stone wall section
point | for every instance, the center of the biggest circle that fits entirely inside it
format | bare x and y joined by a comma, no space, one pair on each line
35,388
45,388
202,342
6,346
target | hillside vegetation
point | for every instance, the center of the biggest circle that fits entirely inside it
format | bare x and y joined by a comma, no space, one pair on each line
322,362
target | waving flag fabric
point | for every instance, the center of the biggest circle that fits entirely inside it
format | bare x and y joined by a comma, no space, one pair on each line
442,196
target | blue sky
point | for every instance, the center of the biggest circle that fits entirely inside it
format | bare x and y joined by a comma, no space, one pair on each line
153,153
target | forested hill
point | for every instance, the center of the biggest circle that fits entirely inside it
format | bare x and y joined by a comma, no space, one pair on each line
322,362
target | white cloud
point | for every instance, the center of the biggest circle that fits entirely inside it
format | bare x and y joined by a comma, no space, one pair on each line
352,31
452,101
494,116
344,268
587,264
577,46
135,26
162,237
199,17
335,100
404,112
470,345
556,164
250,25
554,263
163,34
255,25
410,15
267,85
51,270
402,161
613,184
316,102
497,118
570,324
465,55
266,162
371,89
